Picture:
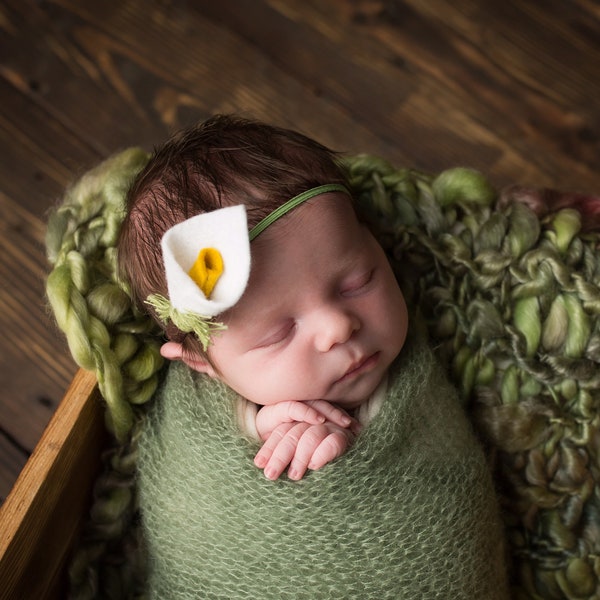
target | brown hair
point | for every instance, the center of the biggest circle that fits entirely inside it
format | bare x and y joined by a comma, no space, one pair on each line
224,161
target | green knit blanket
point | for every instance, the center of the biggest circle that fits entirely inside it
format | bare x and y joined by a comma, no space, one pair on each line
408,512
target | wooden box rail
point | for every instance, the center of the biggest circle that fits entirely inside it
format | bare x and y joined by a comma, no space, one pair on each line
42,515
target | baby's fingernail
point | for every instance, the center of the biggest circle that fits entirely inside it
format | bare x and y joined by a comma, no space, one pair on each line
346,420
293,474
260,461
270,473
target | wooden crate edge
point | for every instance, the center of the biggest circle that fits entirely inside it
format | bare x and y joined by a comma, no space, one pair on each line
42,514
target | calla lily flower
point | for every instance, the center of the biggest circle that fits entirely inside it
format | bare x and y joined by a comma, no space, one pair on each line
207,266
199,244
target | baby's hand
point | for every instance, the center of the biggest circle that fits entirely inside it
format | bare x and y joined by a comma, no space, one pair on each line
302,446
314,412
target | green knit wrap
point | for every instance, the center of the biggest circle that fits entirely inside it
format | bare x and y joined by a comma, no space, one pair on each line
408,512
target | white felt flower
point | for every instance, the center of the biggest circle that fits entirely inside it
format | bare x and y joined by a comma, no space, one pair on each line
189,243
207,266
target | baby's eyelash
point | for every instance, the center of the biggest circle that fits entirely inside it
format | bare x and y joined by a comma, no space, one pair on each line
359,283
278,337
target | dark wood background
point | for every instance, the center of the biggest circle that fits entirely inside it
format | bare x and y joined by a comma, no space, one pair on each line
511,87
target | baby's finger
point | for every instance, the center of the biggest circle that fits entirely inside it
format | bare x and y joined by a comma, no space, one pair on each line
266,451
331,447
331,412
308,443
284,449
303,411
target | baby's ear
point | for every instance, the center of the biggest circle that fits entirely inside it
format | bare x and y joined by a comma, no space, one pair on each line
174,351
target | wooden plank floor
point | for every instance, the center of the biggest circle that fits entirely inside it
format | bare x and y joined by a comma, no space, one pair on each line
511,87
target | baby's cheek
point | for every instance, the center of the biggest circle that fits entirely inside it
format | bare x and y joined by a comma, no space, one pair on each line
396,324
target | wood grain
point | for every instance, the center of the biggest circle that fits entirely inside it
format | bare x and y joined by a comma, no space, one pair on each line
45,509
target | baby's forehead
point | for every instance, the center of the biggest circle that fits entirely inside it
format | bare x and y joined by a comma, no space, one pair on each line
328,213
322,238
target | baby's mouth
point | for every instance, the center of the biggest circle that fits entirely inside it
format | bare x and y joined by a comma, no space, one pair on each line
359,367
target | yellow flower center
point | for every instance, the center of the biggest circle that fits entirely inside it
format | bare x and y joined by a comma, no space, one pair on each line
207,269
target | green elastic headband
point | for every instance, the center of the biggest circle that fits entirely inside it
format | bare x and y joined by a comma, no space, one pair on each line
291,204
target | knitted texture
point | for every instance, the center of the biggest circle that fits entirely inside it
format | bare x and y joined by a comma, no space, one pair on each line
90,304
408,512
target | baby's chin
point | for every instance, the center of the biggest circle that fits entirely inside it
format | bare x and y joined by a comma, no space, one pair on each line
360,394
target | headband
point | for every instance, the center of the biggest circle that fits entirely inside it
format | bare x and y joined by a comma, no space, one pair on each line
207,263
291,204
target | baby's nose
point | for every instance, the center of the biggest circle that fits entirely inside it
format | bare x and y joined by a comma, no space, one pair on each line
334,327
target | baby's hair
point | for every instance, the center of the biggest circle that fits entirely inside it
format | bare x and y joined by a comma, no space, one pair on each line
224,161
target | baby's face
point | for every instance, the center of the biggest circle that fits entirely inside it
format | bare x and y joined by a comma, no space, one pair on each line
322,317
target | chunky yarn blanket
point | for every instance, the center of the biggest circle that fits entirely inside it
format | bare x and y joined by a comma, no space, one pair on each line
408,512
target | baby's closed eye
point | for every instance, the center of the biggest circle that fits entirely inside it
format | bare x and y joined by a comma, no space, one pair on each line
280,334
358,283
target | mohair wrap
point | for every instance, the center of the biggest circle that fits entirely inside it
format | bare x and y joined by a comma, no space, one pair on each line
408,512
